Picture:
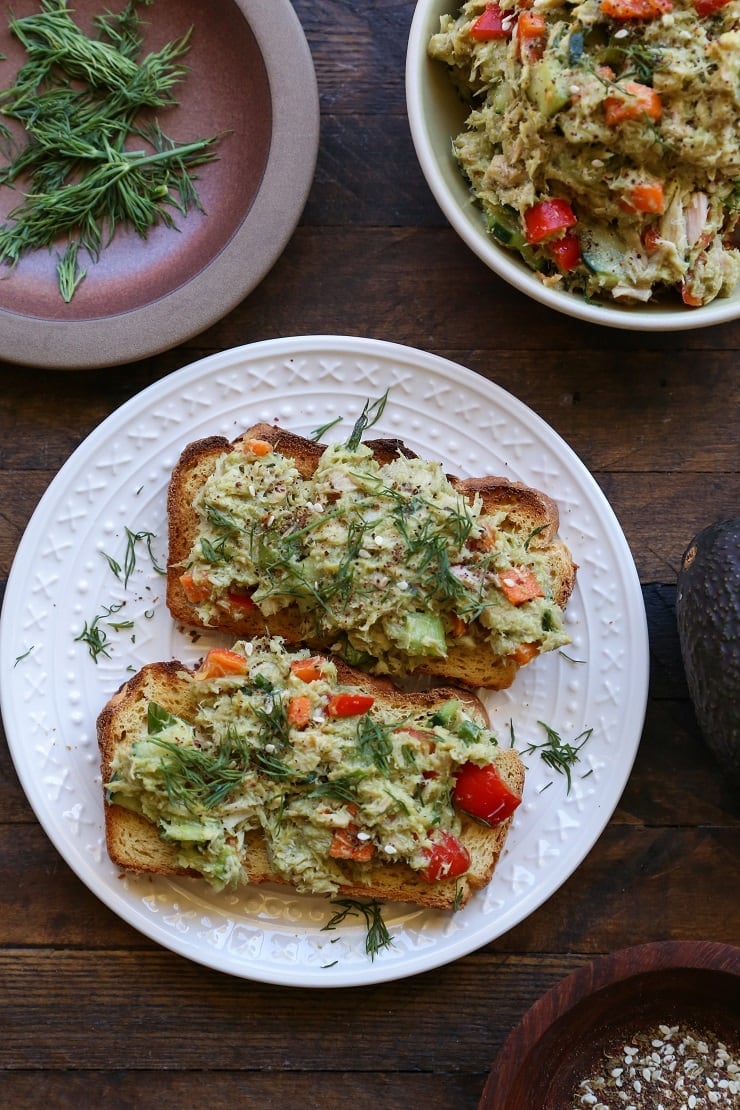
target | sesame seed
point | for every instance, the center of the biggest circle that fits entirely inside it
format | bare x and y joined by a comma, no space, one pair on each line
666,1068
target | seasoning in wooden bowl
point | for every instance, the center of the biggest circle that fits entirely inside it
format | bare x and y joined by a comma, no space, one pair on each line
657,1025
664,1066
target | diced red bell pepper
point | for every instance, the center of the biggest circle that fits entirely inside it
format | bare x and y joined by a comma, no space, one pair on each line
482,793
635,9
220,662
241,601
346,844
651,239
531,35
706,7
446,859
308,670
194,591
547,218
349,705
531,25
493,23
566,252
298,711
640,100
519,584
688,297
648,196
525,653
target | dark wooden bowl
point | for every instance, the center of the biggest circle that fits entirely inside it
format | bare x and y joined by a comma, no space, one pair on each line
560,1039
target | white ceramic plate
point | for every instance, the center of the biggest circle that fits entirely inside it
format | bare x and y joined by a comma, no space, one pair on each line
52,690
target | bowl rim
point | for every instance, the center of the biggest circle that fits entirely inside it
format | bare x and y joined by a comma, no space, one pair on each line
574,991
470,227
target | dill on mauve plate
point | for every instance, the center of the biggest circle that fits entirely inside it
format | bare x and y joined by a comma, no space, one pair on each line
80,101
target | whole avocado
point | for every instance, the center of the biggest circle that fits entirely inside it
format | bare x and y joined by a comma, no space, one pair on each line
708,616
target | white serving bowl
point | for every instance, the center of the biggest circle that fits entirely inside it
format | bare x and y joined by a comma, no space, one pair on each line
436,114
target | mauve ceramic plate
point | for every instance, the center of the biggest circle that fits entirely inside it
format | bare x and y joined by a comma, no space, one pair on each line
251,77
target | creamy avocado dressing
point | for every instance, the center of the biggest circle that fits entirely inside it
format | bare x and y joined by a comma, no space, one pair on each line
384,774
629,111
388,562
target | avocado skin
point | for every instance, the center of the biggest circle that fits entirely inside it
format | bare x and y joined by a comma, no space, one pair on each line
708,617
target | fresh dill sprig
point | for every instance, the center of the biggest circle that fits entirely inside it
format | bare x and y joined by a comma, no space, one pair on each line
320,432
642,60
82,102
557,753
96,638
532,534
69,273
129,562
370,415
374,743
377,936
341,789
198,779
114,565
274,721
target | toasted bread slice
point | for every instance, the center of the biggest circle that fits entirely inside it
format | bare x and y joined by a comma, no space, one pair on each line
134,842
469,660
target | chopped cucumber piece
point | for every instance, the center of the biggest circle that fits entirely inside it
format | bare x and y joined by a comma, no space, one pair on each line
505,230
603,253
446,713
190,831
425,634
468,731
547,86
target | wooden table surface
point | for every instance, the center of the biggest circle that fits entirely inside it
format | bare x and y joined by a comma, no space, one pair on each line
93,1013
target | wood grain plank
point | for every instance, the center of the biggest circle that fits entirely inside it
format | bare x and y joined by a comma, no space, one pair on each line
359,53
153,1010
272,1090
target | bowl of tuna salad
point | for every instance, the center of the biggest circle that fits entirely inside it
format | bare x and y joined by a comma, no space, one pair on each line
588,153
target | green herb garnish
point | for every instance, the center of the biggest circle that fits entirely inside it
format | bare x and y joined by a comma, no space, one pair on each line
319,433
377,936
83,102
370,415
129,562
374,743
198,779
557,753
97,638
